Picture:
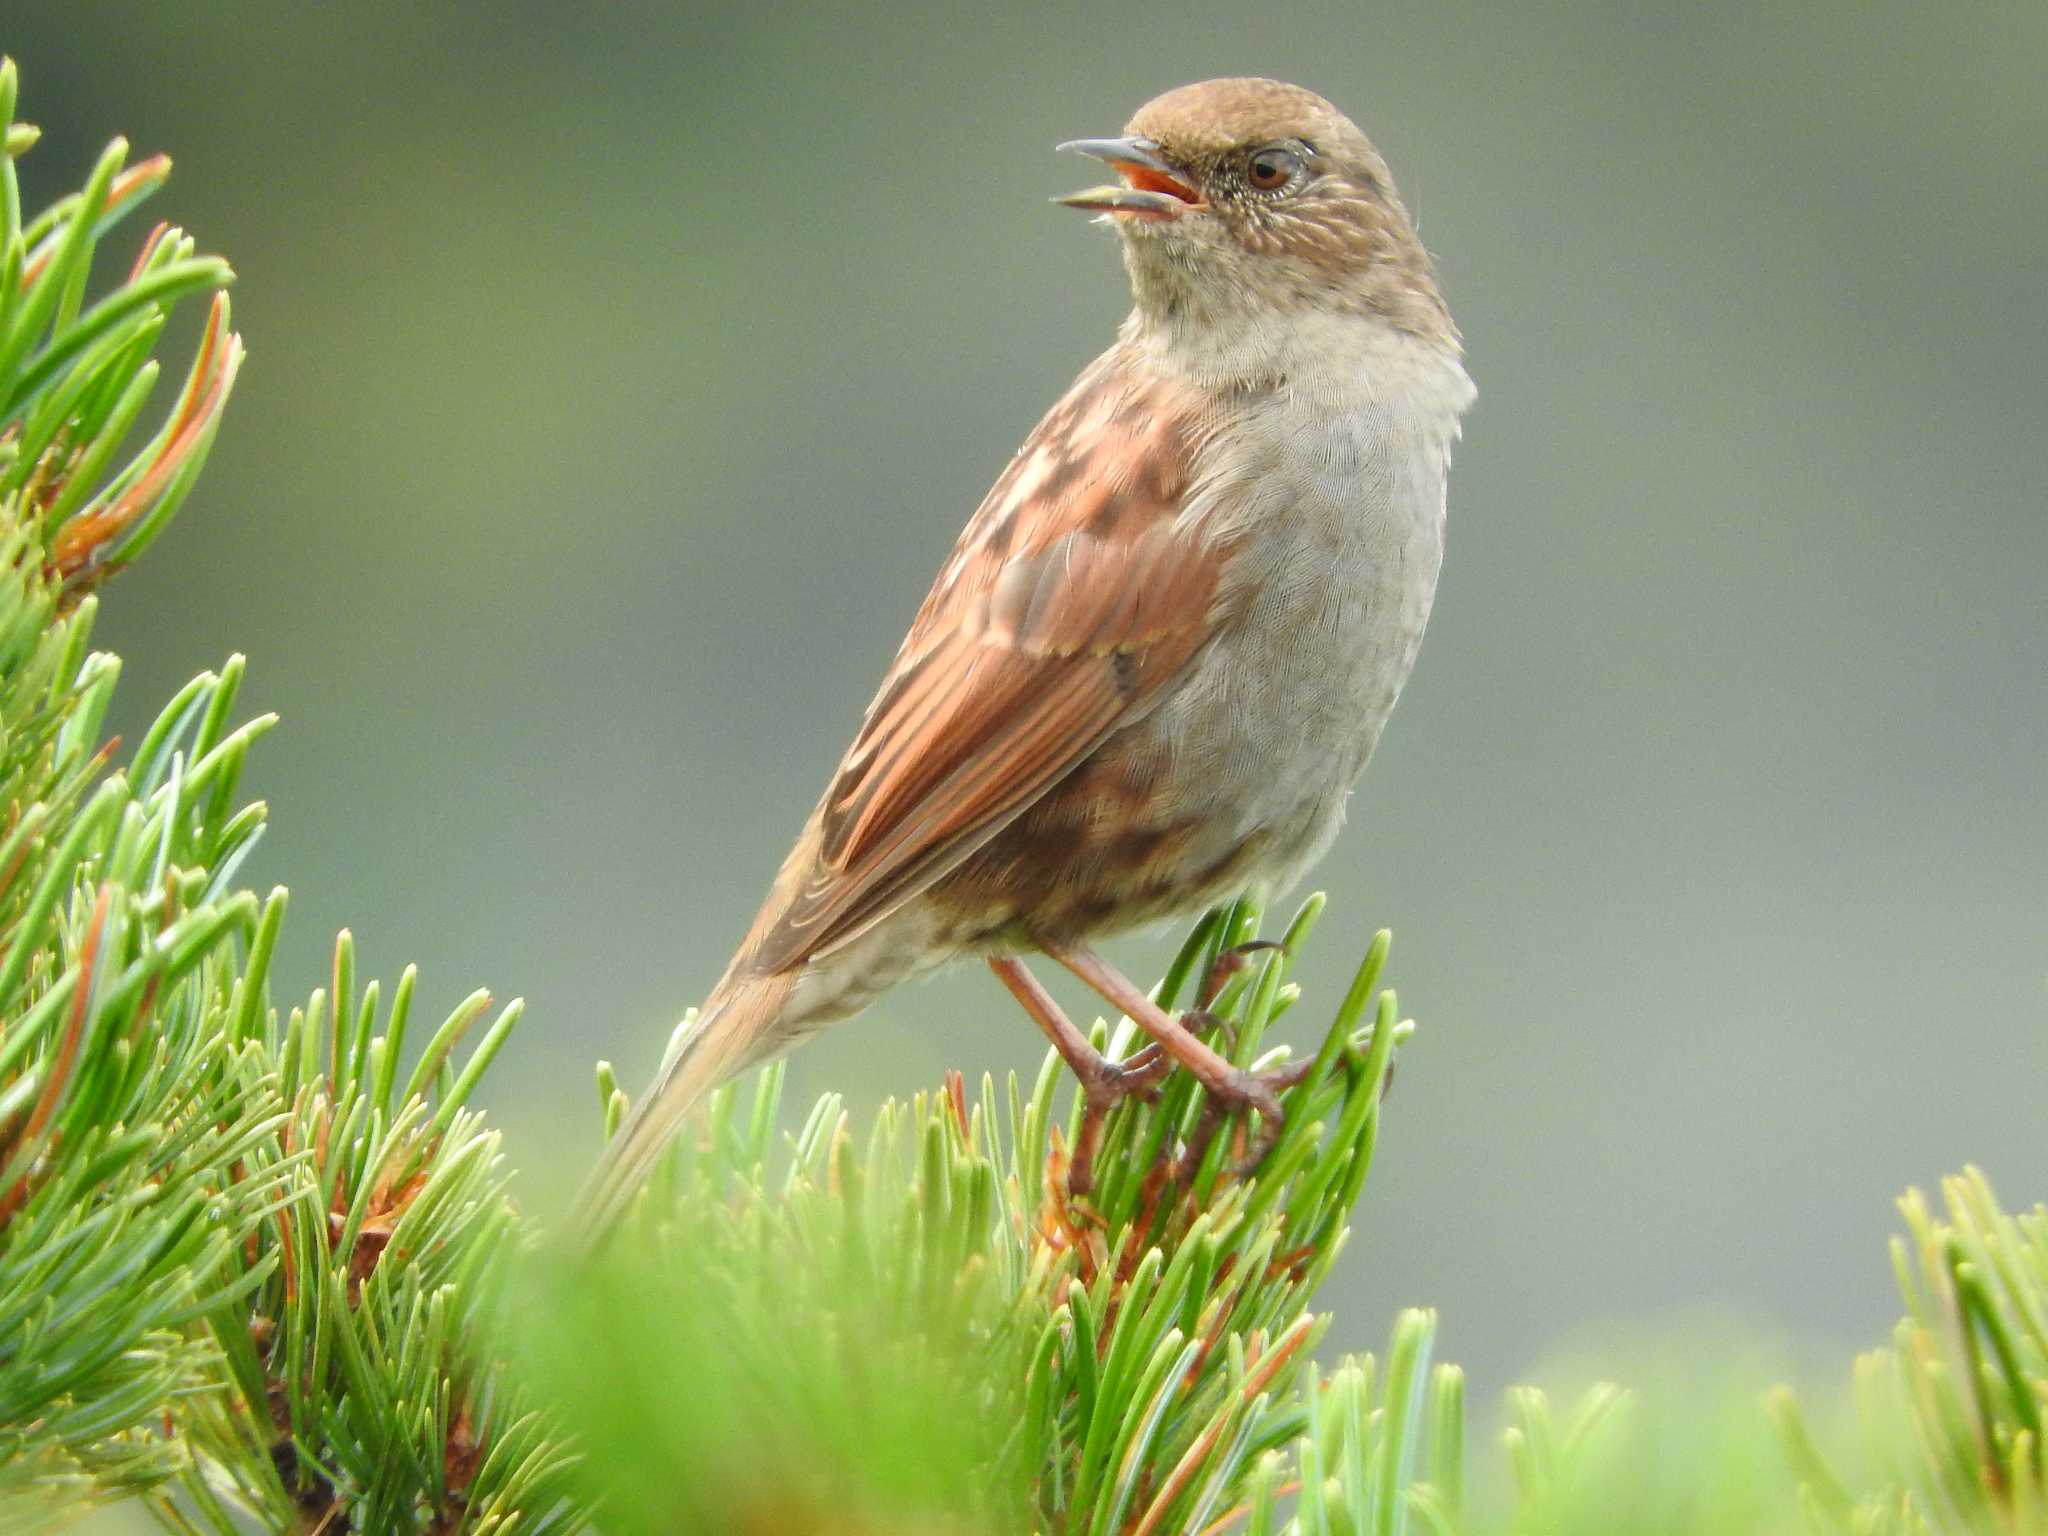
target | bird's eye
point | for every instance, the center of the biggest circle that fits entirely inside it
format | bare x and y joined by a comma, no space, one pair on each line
1269,170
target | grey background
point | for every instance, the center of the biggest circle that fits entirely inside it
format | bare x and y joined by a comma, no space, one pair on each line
619,375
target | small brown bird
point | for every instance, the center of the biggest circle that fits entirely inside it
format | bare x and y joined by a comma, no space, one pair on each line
1160,654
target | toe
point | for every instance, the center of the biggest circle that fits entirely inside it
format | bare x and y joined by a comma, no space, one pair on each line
1257,1092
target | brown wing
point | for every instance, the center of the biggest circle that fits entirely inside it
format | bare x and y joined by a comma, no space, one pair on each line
1074,596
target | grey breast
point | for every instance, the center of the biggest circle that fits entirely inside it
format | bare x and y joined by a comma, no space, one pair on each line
1342,520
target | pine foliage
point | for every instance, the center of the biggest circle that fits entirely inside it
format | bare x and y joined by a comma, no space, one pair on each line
240,1257
1140,1362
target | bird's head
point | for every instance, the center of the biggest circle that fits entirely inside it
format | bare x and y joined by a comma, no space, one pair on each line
1260,198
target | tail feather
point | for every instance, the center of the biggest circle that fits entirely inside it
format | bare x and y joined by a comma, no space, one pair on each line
734,1031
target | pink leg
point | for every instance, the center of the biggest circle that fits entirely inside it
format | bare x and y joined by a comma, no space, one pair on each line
1103,1082
1227,1084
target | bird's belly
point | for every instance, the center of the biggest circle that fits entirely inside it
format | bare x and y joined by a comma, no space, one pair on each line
1238,777
1267,739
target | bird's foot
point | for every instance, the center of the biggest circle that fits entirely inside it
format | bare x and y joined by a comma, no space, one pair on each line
1138,1073
1104,1085
1243,1089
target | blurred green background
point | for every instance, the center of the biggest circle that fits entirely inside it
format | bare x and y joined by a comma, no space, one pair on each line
619,375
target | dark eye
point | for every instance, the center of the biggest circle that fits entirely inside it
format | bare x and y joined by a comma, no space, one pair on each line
1269,170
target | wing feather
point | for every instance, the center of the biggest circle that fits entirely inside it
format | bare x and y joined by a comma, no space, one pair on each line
1075,596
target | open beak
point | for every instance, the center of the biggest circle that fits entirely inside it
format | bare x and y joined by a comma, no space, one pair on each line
1151,188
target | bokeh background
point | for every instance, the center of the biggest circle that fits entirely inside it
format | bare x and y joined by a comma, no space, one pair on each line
619,375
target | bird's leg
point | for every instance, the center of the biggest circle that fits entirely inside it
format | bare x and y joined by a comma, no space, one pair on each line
1103,1082
1225,1082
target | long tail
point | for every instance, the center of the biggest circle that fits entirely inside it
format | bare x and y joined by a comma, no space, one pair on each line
734,1031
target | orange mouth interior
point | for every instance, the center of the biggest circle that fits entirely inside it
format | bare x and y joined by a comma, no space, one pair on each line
1142,178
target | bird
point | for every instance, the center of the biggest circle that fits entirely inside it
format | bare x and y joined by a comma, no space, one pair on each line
1156,661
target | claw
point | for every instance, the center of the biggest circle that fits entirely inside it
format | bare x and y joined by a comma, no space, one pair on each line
1255,1090
1275,1082
1140,1072
1229,962
1137,1074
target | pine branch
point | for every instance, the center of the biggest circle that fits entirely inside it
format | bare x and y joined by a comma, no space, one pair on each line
242,1267
1950,1415
121,1105
1141,1363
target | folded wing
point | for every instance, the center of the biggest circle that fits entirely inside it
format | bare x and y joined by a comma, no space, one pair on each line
1075,595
